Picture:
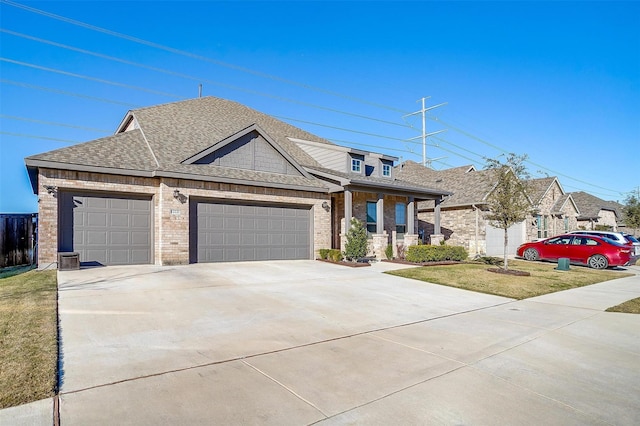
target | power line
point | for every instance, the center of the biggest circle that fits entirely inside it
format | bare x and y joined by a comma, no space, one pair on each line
66,93
192,55
52,123
260,74
89,78
193,78
24,135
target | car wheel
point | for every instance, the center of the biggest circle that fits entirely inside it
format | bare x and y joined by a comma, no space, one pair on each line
598,261
531,254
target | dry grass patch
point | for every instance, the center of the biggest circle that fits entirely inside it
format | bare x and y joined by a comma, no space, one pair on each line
543,279
629,307
28,337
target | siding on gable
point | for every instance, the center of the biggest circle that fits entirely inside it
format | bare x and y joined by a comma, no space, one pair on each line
329,158
250,152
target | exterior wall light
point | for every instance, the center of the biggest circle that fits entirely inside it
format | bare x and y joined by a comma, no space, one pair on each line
326,206
51,189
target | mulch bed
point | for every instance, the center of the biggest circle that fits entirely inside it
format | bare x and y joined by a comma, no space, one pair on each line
350,264
509,272
406,262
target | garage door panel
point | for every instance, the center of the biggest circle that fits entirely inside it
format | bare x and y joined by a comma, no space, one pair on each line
250,232
96,219
108,229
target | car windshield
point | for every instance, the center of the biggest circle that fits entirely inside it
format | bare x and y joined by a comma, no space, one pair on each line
631,238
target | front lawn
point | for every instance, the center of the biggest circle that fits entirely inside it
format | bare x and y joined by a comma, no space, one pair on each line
629,307
543,279
28,336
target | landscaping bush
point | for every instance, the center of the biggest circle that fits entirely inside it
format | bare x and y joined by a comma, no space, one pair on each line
335,255
389,252
324,253
428,253
356,246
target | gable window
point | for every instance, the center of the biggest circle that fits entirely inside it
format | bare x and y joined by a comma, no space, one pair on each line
386,170
401,219
356,165
372,215
566,224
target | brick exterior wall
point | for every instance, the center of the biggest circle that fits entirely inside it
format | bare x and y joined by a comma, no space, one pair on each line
170,215
458,225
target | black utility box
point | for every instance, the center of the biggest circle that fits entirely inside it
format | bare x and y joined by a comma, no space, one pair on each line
68,261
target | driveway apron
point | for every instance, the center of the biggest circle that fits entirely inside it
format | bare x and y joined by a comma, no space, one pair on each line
302,342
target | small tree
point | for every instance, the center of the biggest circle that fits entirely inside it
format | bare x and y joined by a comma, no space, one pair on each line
508,202
632,211
356,246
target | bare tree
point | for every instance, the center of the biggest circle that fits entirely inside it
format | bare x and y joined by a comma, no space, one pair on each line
508,201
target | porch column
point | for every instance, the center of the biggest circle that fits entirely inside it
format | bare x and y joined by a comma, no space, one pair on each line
411,226
380,214
437,234
348,209
436,225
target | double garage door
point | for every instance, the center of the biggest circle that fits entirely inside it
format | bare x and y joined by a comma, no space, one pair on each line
112,229
107,229
223,232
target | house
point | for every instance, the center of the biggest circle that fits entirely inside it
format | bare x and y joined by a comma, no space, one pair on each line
209,180
596,213
462,220
554,211
462,214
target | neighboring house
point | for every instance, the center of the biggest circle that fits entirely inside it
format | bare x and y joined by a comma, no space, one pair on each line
462,215
555,211
208,180
462,220
597,213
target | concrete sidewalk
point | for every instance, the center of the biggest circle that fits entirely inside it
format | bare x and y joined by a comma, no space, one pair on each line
309,342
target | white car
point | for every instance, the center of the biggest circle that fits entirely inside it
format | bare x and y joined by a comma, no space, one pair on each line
618,237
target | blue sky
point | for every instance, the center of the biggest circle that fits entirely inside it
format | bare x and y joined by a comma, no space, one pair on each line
558,81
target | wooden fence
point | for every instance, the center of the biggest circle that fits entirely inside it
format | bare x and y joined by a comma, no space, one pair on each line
18,239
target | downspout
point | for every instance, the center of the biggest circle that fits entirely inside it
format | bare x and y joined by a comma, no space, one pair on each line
477,223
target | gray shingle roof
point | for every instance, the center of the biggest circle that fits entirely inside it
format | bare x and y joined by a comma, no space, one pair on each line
538,187
373,181
469,186
178,130
590,205
171,133
127,151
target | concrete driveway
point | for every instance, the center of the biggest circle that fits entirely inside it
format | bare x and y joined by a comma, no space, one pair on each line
306,342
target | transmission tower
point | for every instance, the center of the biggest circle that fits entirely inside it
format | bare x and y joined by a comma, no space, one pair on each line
426,162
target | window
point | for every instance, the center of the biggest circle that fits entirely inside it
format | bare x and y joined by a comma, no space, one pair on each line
401,219
543,231
356,165
566,224
372,214
386,170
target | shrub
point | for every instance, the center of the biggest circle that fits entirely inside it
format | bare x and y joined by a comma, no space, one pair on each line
389,252
324,253
402,251
429,253
335,255
356,246
490,260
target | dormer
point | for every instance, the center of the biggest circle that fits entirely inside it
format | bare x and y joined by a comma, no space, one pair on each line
356,164
349,160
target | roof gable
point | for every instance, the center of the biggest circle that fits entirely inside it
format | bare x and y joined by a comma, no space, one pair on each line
250,149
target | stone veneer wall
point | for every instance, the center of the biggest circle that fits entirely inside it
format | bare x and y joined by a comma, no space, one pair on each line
458,225
170,216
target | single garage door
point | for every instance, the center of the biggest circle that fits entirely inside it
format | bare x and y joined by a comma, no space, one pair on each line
495,239
238,232
107,229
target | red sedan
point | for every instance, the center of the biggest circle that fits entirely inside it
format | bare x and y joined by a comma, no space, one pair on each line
596,252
